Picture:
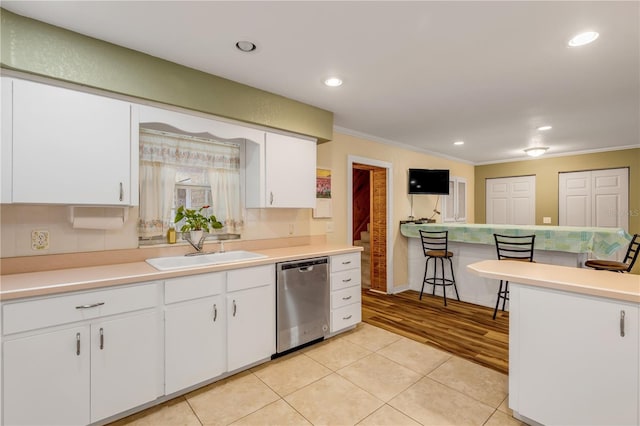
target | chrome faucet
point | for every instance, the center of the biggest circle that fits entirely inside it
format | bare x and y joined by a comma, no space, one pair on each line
198,246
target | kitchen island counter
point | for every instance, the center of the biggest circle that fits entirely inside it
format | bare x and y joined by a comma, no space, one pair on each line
574,343
612,285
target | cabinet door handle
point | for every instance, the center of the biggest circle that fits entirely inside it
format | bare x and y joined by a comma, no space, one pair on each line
346,298
215,313
347,317
78,344
121,192
101,338
235,308
91,305
622,323
347,280
271,198
348,262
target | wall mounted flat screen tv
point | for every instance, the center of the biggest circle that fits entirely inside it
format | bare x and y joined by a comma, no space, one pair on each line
428,181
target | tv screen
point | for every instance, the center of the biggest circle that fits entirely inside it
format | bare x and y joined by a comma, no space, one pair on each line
428,181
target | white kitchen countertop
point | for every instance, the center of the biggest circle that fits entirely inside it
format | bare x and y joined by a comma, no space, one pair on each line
612,285
65,280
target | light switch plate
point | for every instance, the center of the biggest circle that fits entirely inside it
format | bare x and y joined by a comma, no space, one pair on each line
39,239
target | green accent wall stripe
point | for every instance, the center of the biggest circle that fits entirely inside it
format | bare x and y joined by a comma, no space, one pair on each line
38,48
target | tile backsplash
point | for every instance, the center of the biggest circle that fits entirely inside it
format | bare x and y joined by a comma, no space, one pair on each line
18,223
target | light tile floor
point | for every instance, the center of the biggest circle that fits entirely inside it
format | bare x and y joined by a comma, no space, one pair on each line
367,376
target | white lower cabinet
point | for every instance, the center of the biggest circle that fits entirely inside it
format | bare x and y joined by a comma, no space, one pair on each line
346,293
82,357
126,363
85,371
573,359
251,316
195,330
46,378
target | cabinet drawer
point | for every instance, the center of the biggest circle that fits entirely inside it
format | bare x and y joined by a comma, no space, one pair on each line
343,262
55,310
345,279
193,287
345,317
241,279
346,297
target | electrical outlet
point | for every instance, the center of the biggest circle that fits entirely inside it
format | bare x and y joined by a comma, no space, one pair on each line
291,229
546,219
329,227
39,240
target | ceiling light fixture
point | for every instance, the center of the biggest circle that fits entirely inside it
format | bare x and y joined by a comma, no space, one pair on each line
583,38
544,128
333,82
246,46
458,143
536,151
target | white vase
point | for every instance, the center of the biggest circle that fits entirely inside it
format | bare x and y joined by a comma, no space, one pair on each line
195,236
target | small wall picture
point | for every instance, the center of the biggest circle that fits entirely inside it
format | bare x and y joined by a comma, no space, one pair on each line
323,183
324,207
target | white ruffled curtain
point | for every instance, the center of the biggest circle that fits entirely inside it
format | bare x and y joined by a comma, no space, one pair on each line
162,154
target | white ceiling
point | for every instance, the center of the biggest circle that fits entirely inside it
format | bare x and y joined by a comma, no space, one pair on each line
415,73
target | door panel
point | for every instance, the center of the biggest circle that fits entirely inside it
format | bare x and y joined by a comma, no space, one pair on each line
594,198
511,201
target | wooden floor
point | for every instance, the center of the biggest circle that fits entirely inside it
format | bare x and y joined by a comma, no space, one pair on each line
463,329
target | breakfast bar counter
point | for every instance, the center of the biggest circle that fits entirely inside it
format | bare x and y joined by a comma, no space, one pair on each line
471,243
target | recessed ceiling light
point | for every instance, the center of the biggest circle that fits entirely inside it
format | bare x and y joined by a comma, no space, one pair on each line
333,82
458,143
543,128
246,46
583,38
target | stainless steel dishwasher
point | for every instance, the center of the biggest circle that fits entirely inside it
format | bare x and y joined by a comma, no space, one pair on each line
302,302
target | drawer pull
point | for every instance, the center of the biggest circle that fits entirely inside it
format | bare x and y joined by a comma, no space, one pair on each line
622,323
78,344
348,262
347,280
92,305
235,308
347,317
121,192
215,313
346,298
101,338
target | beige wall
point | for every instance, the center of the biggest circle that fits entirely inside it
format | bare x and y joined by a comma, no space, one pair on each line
546,171
334,155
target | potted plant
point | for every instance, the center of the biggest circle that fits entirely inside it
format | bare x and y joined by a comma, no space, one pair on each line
195,222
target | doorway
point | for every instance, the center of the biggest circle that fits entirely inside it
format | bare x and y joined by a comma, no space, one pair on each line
369,195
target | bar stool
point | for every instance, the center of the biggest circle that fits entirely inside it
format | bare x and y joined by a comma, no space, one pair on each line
435,245
512,248
612,265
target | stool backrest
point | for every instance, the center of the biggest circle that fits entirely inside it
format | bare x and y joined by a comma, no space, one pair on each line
515,247
434,240
632,252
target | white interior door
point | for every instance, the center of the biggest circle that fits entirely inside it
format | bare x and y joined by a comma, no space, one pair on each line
511,201
594,198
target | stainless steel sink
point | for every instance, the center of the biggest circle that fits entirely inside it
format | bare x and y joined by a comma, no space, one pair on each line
181,262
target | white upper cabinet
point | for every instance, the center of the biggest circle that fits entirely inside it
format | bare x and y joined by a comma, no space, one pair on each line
281,172
454,205
66,147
